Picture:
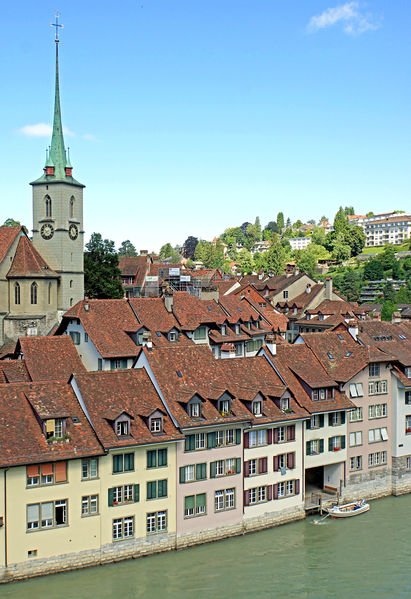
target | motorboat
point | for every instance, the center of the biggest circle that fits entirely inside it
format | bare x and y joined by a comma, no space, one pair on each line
348,509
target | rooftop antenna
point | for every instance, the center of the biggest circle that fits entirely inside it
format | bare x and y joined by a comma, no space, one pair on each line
57,25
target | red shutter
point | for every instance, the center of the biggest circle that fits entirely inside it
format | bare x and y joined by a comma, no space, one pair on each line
275,491
297,487
246,440
291,433
32,471
275,432
262,465
269,492
246,468
291,460
269,436
275,463
46,469
246,497
60,472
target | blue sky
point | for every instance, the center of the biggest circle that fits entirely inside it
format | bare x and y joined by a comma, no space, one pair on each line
185,117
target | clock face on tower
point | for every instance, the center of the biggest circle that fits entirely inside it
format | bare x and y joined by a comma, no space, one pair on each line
47,231
73,232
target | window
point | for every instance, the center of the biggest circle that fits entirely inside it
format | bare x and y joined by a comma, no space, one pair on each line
377,434
199,440
238,349
252,467
89,468
123,462
315,421
336,419
47,202
408,398
225,467
172,336
99,364
408,462
257,437
281,433
156,522
71,211
377,411
193,472
224,406
16,293
156,425
224,500
379,458
408,425
285,404
194,505
285,294
356,390
75,337
374,369
377,387
355,438
157,489
224,329
356,463
46,474
257,408
257,495
47,515
123,494
122,428
407,371
123,528
194,409
315,447
33,293
118,364
200,333
156,458
336,443
356,415
89,505
85,338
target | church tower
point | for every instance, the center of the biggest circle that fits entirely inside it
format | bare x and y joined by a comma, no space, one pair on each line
58,212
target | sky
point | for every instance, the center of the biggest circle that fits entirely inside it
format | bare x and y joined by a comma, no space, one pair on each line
185,117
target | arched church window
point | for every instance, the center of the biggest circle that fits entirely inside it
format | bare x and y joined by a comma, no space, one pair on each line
16,293
49,293
71,301
72,207
47,201
71,284
33,293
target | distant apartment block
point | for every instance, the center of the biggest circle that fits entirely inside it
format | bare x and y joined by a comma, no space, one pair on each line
384,228
299,243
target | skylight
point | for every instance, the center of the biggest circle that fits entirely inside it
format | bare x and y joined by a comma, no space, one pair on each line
179,374
158,333
340,337
348,354
402,336
330,356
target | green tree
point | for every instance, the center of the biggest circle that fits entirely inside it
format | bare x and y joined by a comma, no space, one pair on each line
340,221
318,236
167,252
297,224
10,222
245,260
387,310
127,249
341,250
102,276
369,214
260,262
272,227
288,225
373,270
350,285
349,211
323,219
403,296
280,221
387,256
355,237
276,257
389,293
307,263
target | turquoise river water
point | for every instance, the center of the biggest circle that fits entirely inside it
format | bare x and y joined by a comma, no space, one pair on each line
368,556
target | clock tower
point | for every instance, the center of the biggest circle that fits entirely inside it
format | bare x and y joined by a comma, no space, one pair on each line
58,212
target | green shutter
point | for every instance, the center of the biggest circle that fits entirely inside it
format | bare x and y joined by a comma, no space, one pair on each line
151,458
342,441
238,465
189,502
330,444
212,469
110,497
238,436
210,440
321,420
123,363
189,444
118,463
321,445
330,419
136,493
201,500
128,462
162,457
162,488
308,424
201,471
152,490
308,448
342,417
112,365
182,474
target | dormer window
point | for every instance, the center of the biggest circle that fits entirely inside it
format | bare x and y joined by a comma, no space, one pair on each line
257,324
55,428
285,404
257,407
224,406
194,409
224,329
172,336
237,329
122,428
156,425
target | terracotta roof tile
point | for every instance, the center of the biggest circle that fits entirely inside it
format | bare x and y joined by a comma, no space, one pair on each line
7,236
50,358
27,262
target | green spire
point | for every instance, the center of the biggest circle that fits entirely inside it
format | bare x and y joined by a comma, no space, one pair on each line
49,161
57,149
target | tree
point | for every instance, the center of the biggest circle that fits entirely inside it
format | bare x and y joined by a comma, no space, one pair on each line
190,245
127,249
389,293
387,310
280,221
244,227
167,252
349,211
318,236
311,221
340,249
355,237
288,225
350,285
307,263
323,219
276,257
245,260
369,214
403,296
340,221
102,276
10,222
260,261
273,227
297,224
373,270
387,257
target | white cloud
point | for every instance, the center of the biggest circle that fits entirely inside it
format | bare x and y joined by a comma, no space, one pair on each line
348,15
42,130
89,137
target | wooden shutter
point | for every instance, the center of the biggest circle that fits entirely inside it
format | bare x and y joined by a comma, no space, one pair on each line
269,492
212,469
136,493
308,448
262,465
275,491
246,497
269,436
210,440
46,469
275,435
321,444
246,440
238,465
321,420
308,424
297,486
291,433
201,471
32,471
291,460
189,502
275,463
238,436
182,475
330,444
246,469
342,417
110,497
60,472
342,441
189,443
330,419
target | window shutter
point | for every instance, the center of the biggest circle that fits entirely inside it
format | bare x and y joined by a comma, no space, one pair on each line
210,440
46,469
246,440
201,471
342,441
238,436
136,493
246,469
330,419
269,492
321,445
182,475
321,420
297,486
162,488
291,460
269,436
330,444
189,502
308,425
129,461
60,472
201,500
291,433
275,435
275,491
187,443
246,497
32,471
308,448
212,469
110,497
342,417
262,465
118,463
238,465
275,463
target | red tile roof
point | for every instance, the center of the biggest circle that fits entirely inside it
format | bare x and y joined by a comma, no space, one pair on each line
14,371
191,312
135,266
50,358
27,262
7,236
152,313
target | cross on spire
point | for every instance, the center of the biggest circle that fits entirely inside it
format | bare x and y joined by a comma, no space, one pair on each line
57,25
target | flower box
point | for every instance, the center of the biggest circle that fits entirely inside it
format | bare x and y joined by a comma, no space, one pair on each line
337,448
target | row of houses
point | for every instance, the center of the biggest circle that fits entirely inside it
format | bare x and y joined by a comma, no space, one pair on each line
181,448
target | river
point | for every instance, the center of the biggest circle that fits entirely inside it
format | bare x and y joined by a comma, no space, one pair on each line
358,558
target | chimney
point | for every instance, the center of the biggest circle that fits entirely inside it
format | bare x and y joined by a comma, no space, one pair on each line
143,252
86,305
328,288
296,271
308,288
396,317
168,301
271,344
